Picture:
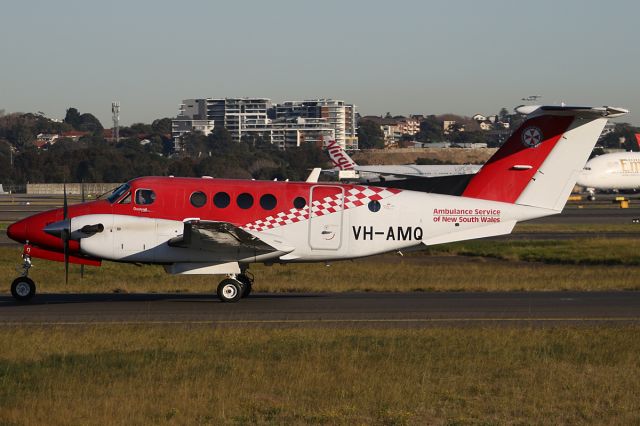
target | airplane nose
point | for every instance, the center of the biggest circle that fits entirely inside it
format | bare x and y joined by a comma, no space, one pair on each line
18,231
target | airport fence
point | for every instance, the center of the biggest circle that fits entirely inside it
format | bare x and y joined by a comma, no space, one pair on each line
90,189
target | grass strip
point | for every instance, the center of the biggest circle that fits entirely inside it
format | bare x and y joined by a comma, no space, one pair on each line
593,251
186,375
486,266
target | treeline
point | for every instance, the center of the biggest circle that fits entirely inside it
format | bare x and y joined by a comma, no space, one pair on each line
464,130
143,150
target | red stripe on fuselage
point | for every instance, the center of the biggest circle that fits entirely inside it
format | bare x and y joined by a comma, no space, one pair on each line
172,199
497,180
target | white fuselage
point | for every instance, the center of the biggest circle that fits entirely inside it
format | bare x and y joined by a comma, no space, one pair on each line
399,221
397,171
620,170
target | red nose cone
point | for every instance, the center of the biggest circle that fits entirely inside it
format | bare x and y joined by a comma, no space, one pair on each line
18,231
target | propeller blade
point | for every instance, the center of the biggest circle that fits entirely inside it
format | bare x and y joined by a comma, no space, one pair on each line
66,233
83,199
66,260
64,205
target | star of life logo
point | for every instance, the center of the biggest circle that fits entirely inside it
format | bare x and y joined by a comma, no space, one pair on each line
531,137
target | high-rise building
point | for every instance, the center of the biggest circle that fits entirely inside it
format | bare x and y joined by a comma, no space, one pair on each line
285,125
292,132
339,115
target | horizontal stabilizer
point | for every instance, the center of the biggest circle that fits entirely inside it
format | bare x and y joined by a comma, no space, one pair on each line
501,228
573,111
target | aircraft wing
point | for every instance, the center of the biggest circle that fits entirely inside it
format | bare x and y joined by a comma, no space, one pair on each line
423,172
220,237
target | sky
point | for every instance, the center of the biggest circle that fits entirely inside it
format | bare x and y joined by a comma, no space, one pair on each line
401,56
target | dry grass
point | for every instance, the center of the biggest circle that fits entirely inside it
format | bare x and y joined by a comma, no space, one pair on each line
415,272
179,375
593,251
585,228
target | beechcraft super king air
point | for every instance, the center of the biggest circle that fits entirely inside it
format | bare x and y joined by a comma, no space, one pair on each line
219,226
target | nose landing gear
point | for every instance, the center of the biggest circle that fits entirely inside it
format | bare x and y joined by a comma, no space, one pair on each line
23,288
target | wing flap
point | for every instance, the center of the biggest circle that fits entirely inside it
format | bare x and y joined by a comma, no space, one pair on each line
218,236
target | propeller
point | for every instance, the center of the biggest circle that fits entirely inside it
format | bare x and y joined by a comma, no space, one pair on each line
82,199
62,230
66,233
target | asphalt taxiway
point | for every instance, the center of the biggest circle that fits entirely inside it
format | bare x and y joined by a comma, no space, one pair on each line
329,310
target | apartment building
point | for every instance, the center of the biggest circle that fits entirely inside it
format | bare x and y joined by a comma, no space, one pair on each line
291,132
284,125
340,115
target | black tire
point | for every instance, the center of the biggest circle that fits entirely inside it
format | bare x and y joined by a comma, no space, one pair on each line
230,290
23,289
247,283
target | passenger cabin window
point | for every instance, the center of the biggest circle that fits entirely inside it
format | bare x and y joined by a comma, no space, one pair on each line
221,200
245,200
198,199
299,203
145,196
268,202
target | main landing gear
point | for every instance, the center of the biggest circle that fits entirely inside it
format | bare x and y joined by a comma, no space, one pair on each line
23,288
235,287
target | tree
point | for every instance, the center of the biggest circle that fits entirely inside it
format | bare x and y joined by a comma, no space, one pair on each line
140,129
503,115
623,136
73,118
89,123
161,126
370,135
430,130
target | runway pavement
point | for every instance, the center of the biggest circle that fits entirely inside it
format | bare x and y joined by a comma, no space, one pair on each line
330,310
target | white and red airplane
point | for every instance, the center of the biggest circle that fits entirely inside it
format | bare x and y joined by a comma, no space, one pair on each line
220,226
349,169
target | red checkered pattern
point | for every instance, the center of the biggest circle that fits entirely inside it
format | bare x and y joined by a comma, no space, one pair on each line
353,197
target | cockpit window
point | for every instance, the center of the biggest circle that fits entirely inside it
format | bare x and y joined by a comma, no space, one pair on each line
145,196
118,192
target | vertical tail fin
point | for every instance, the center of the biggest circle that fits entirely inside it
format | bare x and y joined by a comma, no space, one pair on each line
339,157
539,164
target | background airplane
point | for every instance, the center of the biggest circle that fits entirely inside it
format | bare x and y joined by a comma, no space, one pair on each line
615,171
349,170
221,226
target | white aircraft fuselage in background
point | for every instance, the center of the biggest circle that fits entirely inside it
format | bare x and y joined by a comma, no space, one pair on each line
619,170
350,170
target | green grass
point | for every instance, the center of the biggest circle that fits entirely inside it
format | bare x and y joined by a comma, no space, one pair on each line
473,266
183,375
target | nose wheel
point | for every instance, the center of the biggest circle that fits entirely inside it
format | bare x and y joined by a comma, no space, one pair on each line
23,288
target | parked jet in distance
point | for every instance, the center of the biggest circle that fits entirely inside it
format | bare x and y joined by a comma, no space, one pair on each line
348,169
221,226
615,171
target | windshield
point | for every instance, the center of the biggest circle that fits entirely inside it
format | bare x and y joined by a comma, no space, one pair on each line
118,192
